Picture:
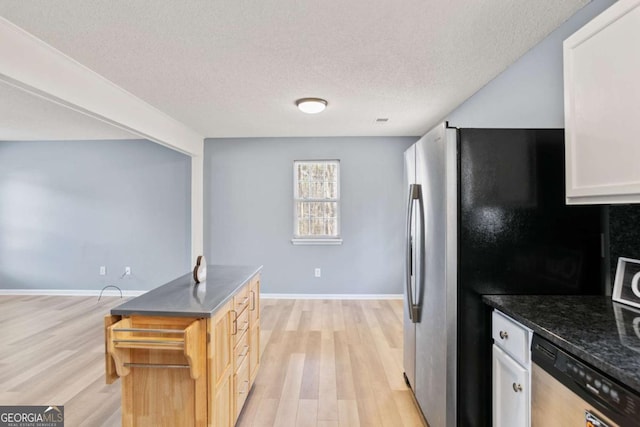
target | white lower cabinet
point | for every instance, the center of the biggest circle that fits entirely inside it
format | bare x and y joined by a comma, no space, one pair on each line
511,371
511,391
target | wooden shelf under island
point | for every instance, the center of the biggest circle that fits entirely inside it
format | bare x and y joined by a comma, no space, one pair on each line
187,353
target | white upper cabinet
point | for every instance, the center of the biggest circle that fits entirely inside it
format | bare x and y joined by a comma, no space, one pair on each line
602,108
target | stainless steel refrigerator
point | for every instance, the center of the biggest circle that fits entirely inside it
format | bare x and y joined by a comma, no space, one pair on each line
485,215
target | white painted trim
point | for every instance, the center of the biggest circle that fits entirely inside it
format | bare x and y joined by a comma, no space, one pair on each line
135,293
334,240
32,65
333,296
197,208
319,242
72,292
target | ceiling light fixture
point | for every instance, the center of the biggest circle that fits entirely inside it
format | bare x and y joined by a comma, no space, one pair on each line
311,105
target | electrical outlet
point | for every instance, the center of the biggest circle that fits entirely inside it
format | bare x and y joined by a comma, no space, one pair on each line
127,271
103,270
317,272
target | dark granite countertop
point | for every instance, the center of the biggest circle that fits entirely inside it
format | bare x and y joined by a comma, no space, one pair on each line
183,298
601,332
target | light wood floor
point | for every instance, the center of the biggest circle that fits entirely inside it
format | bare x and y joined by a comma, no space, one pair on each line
52,353
324,362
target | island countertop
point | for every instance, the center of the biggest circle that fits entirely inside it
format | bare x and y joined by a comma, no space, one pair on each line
599,331
182,297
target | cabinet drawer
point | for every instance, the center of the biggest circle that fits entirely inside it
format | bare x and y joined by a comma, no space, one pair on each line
240,326
241,299
241,350
241,386
511,337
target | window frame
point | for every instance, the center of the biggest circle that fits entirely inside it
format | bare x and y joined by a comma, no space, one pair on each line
311,239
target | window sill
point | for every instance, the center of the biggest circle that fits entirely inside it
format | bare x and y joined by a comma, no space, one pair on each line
321,242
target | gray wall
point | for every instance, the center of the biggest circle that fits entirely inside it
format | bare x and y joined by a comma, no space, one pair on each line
68,207
528,94
249,213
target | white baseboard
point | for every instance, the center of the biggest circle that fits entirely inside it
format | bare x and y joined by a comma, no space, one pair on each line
110,292
331,296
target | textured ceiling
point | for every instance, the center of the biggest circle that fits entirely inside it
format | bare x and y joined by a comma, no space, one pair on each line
230,68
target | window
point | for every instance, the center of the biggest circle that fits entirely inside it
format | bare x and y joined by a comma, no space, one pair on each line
316,194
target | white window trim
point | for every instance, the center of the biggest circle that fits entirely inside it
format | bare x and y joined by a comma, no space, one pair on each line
315,240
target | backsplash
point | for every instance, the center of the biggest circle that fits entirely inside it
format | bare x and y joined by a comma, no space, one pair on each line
624,234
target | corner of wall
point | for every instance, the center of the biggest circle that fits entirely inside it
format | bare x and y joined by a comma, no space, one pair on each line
528,94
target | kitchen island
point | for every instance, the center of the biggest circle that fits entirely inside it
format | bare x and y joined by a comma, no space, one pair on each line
187,353
595,329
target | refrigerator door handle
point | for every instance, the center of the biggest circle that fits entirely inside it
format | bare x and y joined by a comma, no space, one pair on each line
420,267
415,193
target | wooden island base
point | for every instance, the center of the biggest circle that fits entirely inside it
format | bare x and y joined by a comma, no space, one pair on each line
186,371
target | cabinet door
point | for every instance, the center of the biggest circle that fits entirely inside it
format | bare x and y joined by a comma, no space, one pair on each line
254,353
602,88
511,391
223,404
220,359
254,300
254,323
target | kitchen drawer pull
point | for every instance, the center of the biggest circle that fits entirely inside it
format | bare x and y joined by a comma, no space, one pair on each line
246,351
517,387
252,307
246,389
235,322
156,365
246,326
150,331
244,301
179,343
504,335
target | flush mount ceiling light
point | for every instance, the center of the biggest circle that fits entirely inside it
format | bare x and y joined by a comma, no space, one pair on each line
311,105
